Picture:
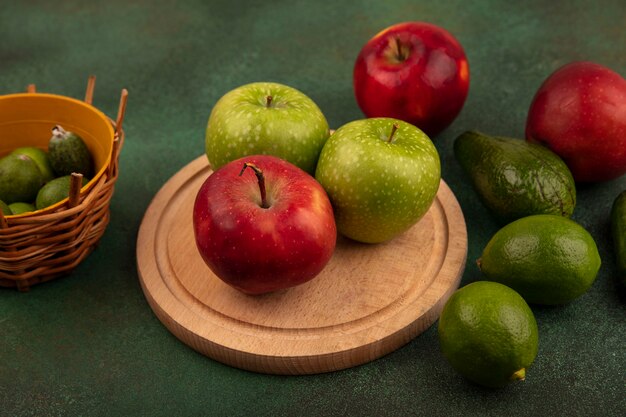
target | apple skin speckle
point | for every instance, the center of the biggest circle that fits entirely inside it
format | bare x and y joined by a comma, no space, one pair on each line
378,189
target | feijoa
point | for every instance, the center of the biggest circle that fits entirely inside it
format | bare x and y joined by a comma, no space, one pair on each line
68,153
41,159
20,207
20,178
55,191
6,210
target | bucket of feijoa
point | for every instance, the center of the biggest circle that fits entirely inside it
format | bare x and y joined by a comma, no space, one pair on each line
58,168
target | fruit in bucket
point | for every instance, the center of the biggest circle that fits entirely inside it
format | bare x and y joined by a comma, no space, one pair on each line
30,178
41,159
21,208
68,153
413,71
6,209
262,224
55,191
20,179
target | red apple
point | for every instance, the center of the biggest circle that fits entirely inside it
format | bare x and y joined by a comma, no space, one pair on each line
262,224
413,71
579,113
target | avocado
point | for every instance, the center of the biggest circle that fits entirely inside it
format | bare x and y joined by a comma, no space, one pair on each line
515,178
68,154
618,230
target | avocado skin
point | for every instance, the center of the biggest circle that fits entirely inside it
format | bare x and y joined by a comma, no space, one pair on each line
618,230
515,178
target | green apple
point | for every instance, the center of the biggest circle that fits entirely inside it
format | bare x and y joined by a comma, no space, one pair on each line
269,119
381,175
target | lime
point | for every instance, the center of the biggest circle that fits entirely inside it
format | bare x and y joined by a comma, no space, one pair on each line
20,178
6,210
54,191
19,208
548,259
41,159
488,333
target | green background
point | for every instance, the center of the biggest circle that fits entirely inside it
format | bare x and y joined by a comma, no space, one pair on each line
88,344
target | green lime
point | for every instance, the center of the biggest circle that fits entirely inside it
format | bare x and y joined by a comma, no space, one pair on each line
20,178
41,159
54,191
488,333
6,210
19,208
548,259
68,153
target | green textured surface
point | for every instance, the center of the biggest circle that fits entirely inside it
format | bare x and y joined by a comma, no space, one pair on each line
89,344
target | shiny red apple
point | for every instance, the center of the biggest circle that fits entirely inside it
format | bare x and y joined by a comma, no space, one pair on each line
579,112
413,71
262,224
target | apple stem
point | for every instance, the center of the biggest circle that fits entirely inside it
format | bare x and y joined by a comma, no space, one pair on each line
393,132
400,52
260,177
268,101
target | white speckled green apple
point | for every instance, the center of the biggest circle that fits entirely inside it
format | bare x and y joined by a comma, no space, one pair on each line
269,119
381,178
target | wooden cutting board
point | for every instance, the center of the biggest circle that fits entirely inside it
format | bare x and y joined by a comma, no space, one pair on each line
367,302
